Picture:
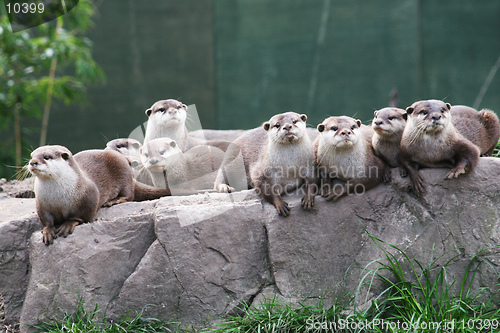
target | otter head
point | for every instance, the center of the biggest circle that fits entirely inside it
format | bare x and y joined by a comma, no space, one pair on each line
431,116
389,121
168,113
286,127
51,162
127,147
340,132
158,154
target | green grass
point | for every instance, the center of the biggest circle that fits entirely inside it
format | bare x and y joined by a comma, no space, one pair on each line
82,321
496,152
410,297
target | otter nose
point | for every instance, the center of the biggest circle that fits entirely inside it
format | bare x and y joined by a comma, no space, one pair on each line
33,163
345,132
378,123
172,111
153,162
436,117
287,127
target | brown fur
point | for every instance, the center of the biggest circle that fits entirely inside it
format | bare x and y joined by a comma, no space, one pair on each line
431,140
344,153
482,128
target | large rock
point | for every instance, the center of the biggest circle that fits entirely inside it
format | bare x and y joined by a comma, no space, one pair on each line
195,258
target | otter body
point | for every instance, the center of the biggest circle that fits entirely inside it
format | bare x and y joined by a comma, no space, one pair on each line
70,189
482,128
430,140
388,125
344,152
277,158
171,168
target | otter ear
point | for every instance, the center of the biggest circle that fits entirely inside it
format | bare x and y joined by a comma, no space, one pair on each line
375,113
173,144
266,126
358,122
409,110
448,105
405,116
65,156
148,112
321,128
303,117
134,164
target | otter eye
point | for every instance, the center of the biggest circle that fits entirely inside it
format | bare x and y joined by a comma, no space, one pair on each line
353,127
443,110
161,109
390,118
179,106
334,128
277,125
47,157
295,121
119,146
162,152
146,155
424,112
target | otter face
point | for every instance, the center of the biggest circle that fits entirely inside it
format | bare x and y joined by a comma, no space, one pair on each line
286,128
168,112
127,147
389,121
431,116
51,162
340,132
159,154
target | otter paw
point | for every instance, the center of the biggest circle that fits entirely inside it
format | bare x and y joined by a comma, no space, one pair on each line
224,188
67,228
307,202
402,172
418,186
282,208
48,235
454,173
114,202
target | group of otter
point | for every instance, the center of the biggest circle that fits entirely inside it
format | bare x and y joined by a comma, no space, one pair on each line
342,157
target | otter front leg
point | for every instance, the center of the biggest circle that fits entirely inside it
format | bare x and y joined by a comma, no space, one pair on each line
417,183
271,195
69,226
48,230
311,188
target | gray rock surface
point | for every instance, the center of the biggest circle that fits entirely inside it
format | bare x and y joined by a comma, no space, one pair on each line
195,258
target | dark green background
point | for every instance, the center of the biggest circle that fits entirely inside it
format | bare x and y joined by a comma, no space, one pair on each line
242,61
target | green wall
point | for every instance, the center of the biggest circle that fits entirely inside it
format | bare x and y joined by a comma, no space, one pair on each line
242,61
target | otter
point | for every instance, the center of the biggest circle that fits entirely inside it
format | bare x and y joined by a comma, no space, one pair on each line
131,149
388,125
167,119
70,189
430,140
277,158
171,168
344,152
482,128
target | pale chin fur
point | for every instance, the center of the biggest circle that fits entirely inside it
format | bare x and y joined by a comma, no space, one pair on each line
340,142
282,137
